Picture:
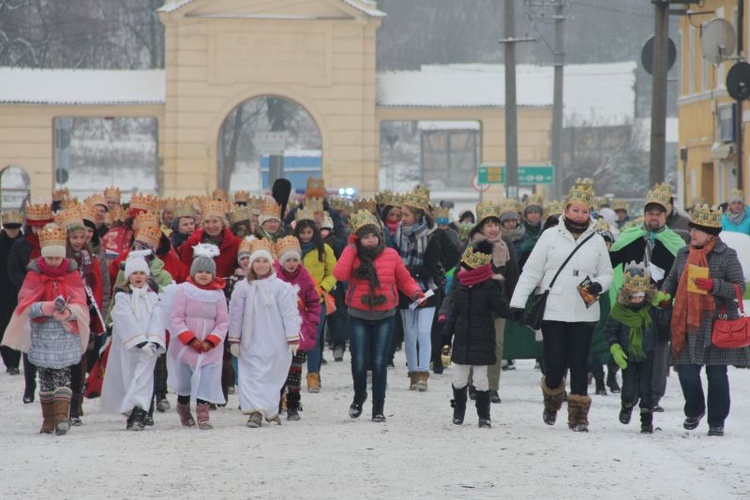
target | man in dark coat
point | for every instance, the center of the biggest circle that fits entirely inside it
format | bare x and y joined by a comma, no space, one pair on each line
11,232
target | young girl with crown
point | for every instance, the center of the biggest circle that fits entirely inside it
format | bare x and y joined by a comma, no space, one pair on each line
263,333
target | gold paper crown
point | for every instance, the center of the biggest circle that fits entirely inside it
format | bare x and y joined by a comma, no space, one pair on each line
88,212
508,206
95,199
316,188
68,202
442,213
51,235
241,196
254,203
361,219
269,208
262,244
166,203
220,195
14,217
602,225
286,244
338,203
384,197
554,207
312,206
582,192
116,214
619,205
636,279
112,193
418,198
38,212
486,209
239,214
707,217
70,218
184,208
144,201
145,219
365,204
213,208
62,193
464,230
244,246
149,235
475,259
660,194
536,200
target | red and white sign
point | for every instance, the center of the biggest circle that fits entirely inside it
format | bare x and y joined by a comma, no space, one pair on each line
482,188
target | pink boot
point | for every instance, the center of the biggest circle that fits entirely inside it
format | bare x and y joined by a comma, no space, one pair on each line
202,410
186,418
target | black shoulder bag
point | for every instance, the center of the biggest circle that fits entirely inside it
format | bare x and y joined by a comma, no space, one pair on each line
537,303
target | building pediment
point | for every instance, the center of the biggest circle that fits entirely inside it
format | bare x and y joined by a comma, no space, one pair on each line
275,9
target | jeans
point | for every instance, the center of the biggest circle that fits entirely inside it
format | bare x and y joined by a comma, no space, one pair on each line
369,344
417,337
718,392
566,346
315,354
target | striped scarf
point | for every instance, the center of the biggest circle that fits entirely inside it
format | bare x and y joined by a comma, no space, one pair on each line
412,242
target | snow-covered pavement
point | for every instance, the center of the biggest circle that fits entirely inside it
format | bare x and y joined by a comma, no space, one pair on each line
417,453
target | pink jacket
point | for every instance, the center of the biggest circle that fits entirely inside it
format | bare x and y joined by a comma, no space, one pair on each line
308,304
392,275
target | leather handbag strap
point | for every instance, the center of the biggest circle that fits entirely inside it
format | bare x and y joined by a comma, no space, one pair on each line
740,303
568,259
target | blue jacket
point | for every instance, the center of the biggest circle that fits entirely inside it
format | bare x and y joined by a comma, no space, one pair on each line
743,227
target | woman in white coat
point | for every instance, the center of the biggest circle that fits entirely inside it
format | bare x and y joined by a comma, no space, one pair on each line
137,339
568,321
264,327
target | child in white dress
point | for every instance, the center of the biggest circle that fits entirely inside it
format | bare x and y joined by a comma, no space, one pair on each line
263,333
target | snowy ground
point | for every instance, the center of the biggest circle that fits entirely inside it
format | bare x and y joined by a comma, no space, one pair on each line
417,453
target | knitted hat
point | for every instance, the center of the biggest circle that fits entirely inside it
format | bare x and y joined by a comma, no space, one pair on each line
327,222
269,210
736,195
288,248
136,261
203,259
261,248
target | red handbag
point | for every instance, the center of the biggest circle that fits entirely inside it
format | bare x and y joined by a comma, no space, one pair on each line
731,333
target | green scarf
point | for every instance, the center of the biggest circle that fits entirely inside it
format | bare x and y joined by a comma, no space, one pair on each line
636,320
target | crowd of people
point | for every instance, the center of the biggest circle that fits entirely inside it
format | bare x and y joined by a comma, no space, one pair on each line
202,297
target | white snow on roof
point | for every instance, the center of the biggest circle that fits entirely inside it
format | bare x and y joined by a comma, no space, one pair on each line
369,7
81,86
602,93
448,125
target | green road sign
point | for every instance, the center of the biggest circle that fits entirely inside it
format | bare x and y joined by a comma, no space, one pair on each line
527,174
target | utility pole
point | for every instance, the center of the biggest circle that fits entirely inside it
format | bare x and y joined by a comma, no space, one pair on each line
511,115
657,154
557,100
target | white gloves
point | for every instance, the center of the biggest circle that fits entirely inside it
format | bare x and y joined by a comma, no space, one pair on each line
234,348
150,349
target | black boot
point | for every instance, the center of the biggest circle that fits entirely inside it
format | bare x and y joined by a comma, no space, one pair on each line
647,422
458,403
625,413
138,416
601,390
292,405
472,392
75,419
148,420
614,387
377,409
355,409
483,409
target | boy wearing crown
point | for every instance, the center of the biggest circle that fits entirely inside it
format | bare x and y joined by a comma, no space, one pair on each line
51,325
11,231
631,336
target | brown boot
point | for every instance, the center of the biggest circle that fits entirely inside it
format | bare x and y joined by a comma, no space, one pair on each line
186,418
202,411
46,398
61,409
422,378
313,382
553,399
413,380
578,412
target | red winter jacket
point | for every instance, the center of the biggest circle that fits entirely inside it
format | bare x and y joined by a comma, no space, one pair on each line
392,275
226,262
308,303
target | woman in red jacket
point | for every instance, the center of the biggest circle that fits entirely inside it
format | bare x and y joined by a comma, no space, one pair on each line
374,273
213,230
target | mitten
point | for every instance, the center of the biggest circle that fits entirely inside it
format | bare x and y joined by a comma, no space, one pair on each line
706,284
619,355
234,348
594,288
197,345
661,299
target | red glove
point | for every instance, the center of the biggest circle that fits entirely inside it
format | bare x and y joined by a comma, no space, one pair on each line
197,345
706,284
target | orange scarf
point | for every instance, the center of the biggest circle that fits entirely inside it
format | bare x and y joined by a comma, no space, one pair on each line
690,307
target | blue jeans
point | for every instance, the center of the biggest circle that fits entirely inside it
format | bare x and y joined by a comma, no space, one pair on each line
417,337
369,344
315,354
718,392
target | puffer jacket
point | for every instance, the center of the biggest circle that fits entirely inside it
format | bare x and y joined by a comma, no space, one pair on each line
392,275
308,303
564,303
226,262
321,272
472,322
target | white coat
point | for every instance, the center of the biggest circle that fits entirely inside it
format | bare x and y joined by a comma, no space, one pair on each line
564,303
129,378
264,318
